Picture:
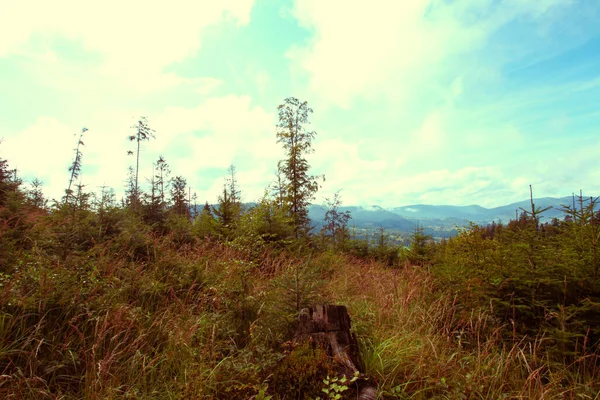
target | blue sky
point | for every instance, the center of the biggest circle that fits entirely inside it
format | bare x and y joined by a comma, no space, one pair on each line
437,102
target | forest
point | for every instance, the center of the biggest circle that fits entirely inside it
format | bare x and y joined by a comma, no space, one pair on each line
154,296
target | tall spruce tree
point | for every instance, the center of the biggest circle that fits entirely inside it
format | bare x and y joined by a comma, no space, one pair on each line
300,187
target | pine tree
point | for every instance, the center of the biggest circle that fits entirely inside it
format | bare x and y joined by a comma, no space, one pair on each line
300,187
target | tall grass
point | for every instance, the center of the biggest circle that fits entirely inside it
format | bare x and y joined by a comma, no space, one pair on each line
145,318
418,342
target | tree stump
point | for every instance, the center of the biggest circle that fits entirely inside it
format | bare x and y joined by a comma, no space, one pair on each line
329,327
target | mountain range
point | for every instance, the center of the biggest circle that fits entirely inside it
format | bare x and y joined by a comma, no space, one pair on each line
442,220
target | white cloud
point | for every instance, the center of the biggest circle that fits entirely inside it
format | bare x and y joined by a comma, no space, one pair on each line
44,150
262,81
136,39
397,49
343,168
213,135
377,46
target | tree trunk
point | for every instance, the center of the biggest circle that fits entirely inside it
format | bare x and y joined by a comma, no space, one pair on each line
329,327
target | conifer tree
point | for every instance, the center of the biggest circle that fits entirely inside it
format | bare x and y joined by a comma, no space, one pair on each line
142,133
234,191
226,212
420,246
205,224
75,168
36,195
105,204
336,222
9,182
195,206
132,197
179,197
156,204
13,221
278,188
162,175
229,205
300,186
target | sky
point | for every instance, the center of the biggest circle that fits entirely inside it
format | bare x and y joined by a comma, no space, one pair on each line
415,102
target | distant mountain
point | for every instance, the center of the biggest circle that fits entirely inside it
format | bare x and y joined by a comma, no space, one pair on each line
440,221
475,213
365,217
424,211
505,213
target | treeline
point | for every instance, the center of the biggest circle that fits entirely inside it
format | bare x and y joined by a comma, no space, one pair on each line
279,217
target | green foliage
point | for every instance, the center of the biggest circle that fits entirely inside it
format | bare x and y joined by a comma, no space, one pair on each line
155,205
99,300
421,248
143,132
539,278
262,227
335,225
180,230
9,183
227,213
35,195
299,375
15,217
179,197
205,224
75,168
335,387
299,187
384,250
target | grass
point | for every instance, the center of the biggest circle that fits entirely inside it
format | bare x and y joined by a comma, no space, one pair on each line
209,321
417,342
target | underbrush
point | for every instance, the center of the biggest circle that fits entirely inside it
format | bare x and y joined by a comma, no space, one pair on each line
418,341
209,320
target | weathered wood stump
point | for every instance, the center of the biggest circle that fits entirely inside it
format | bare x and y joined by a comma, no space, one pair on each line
329,327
